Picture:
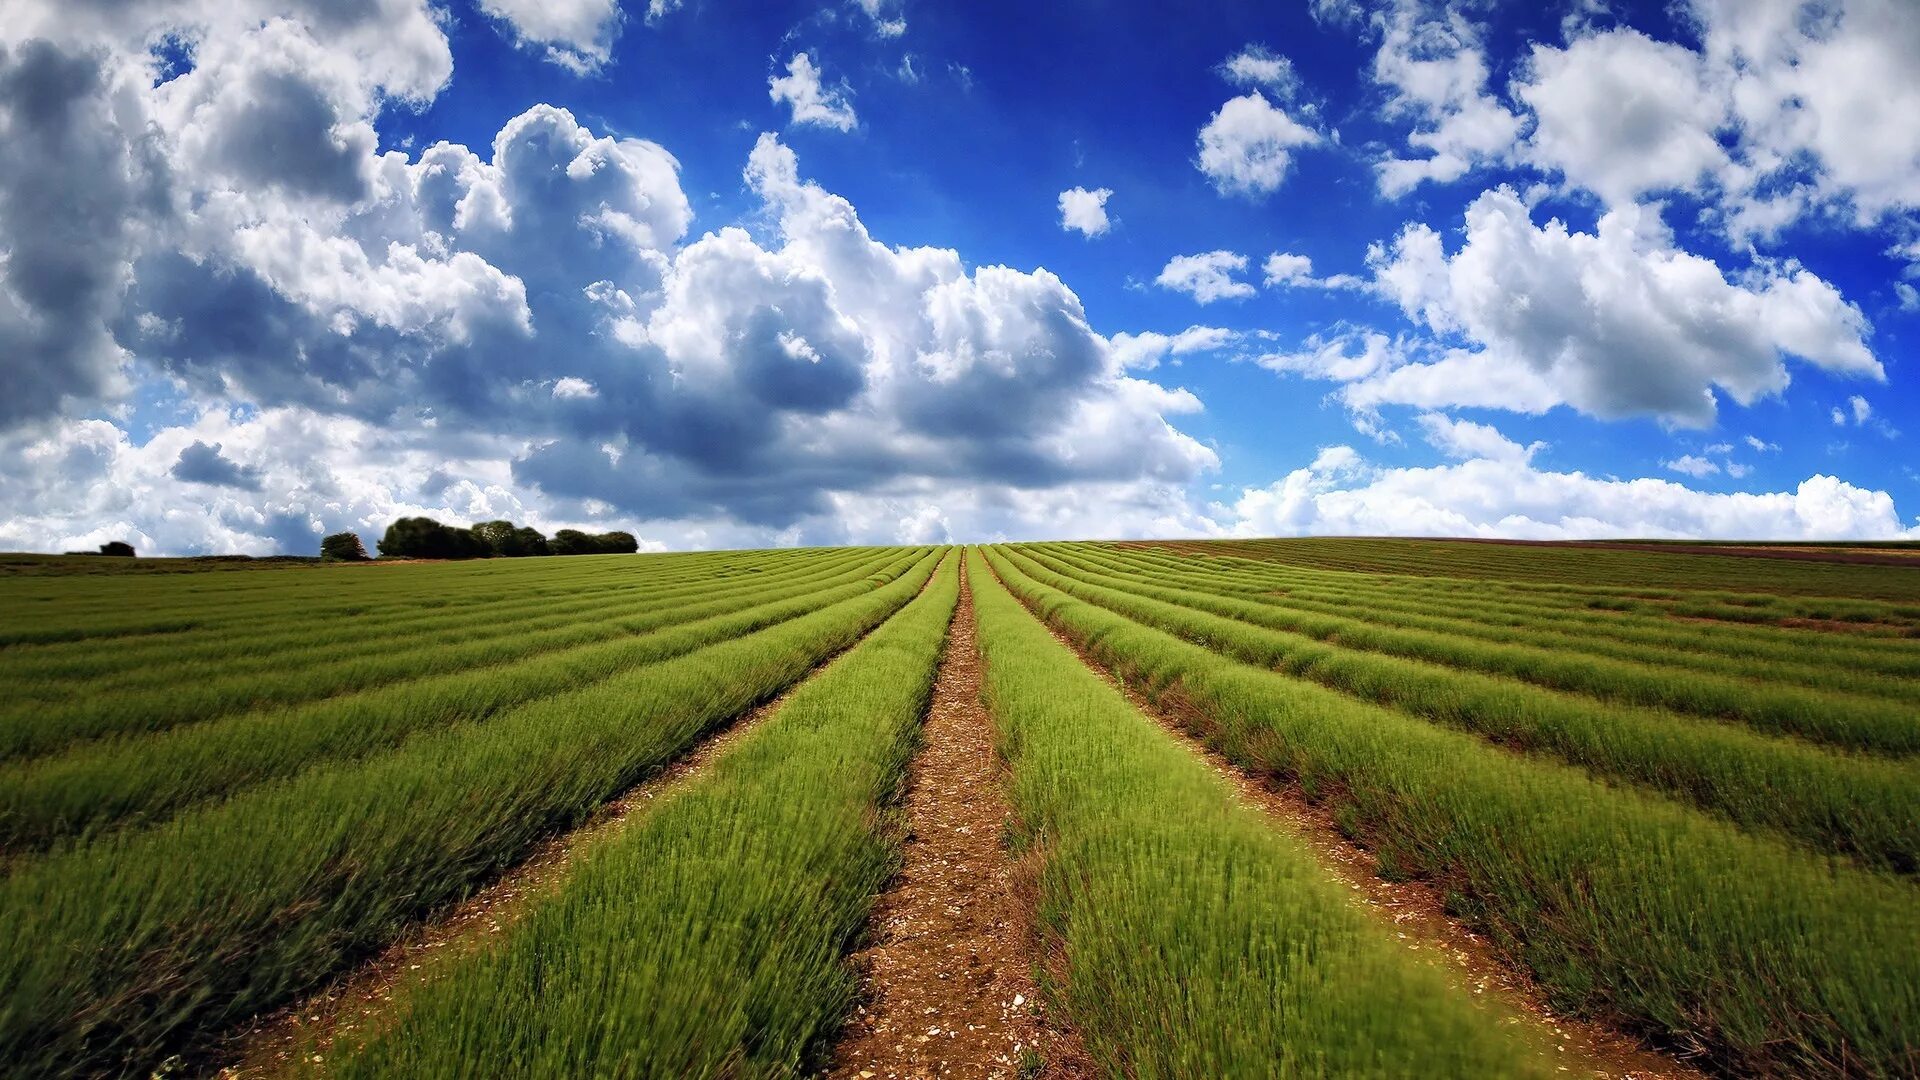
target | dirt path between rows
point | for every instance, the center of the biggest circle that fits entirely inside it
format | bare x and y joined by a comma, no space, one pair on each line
366,1001
948,979
1414,911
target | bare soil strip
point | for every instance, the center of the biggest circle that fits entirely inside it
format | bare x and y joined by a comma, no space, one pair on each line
1415,912
360,1004
949,972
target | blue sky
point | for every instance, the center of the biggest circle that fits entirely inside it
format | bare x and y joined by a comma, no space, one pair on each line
879,271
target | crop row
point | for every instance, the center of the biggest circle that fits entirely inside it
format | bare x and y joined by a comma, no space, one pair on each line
1844,804
296,635
1878,666
705,939
1749,589
183,606
1845,720
30,732
1195,938
149,940
148,779
1589,564
1621,903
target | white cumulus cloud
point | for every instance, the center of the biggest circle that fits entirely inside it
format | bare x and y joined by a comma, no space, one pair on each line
1246,148
1257,65
1085,211
812,102
1206,277
576,34
1341,493
1615,323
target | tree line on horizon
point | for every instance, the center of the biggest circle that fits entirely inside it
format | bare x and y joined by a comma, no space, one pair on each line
425,538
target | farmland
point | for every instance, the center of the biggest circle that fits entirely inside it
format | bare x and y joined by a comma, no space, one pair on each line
1236,808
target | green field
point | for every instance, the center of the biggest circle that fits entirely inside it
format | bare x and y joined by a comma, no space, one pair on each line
1676,787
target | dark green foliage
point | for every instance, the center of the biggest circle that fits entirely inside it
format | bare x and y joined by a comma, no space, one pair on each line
119,548
506,540
343,547
425,538
575,542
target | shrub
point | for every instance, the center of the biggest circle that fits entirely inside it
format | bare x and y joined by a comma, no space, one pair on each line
118,548
343,547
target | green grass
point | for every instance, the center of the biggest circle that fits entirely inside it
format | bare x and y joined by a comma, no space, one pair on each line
1196,939
31,730
1846,720
1622,904
146,942
145,780
1804,658
61,671
707,938
1852,805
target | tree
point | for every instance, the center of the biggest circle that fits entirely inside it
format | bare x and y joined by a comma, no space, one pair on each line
119,548
575,542
507,540
343,547
531,540
571,542
425,538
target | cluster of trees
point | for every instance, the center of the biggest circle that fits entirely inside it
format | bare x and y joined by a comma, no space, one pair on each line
117,548
425,538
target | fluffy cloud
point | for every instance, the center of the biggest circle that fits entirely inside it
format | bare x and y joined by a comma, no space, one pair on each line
576,34
342,334
1246,147
1341,493
1615,323
812,103
1085,211
886,18
1465,440
1296,271
77,174
1206,277
1836,84
1258,66
1146,350
1435,69
1623,115
203,463
1692,465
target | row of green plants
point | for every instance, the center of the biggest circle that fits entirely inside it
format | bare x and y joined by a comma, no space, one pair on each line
1189,936
1587,564
1623,904
1874,666
1849,805
100,609
147,942
263,641
707,938
143,781
1745,616
32,728
1845,720
1736,589
301,648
